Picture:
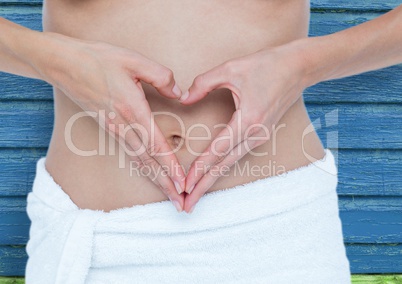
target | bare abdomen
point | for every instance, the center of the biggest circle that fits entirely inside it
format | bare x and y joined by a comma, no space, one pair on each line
189,37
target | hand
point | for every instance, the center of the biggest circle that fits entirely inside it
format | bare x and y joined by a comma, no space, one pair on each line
98,76
264,85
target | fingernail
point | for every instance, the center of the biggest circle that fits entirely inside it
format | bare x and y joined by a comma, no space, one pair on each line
176,91
191,209
178,187
177,205
191,189
184,96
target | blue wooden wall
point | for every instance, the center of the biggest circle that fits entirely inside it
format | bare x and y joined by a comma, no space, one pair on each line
360,118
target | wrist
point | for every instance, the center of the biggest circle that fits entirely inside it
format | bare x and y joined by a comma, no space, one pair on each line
17,45
30,48
48,56
301,54
309,54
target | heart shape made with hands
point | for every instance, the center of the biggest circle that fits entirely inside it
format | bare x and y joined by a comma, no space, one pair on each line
260,102
189,198
198,184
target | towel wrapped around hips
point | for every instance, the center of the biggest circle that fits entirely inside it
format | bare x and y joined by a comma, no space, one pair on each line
281,229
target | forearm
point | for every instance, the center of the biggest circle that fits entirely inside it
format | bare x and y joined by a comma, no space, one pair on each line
19,47
372,45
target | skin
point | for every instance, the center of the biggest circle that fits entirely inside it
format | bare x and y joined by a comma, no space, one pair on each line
292,68
133,53
98,181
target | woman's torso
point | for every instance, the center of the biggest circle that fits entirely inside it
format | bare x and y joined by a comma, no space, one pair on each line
189,37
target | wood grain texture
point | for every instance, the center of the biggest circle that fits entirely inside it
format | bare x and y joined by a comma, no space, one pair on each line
328,22
322,22
361,126
364,112
356,4
365,220
14,221
371,219
18,167
382,86
12,260
361,172
382,258
29,16
315,4
14,87
26,124
369,172
358,126
377,86
21,2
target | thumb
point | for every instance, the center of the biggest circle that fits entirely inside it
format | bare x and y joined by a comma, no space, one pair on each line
215,78
160,77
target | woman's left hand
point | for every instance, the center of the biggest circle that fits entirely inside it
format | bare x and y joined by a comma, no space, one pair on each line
264,85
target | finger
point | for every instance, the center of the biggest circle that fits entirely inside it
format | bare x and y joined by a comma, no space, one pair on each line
157,147
220,147
216,78
147,165
132,132
158,76
221,169
140,118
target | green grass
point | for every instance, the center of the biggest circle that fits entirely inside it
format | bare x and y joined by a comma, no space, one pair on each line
11,280
356,279
374,279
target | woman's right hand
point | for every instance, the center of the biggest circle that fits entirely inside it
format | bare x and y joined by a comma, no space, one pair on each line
99,76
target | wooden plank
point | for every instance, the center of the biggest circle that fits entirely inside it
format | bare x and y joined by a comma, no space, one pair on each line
371,219
369,172
28,16
372,226
355,5
322,22
380,86
361,172
14,87
377,86
18,168
358,126
363,259
363,126
21,2
375,258
26,123
14,221
328,22
315,4
14,228
12,260
359,226
365,220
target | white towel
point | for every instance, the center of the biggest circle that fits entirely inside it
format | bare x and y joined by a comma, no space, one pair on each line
282,229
